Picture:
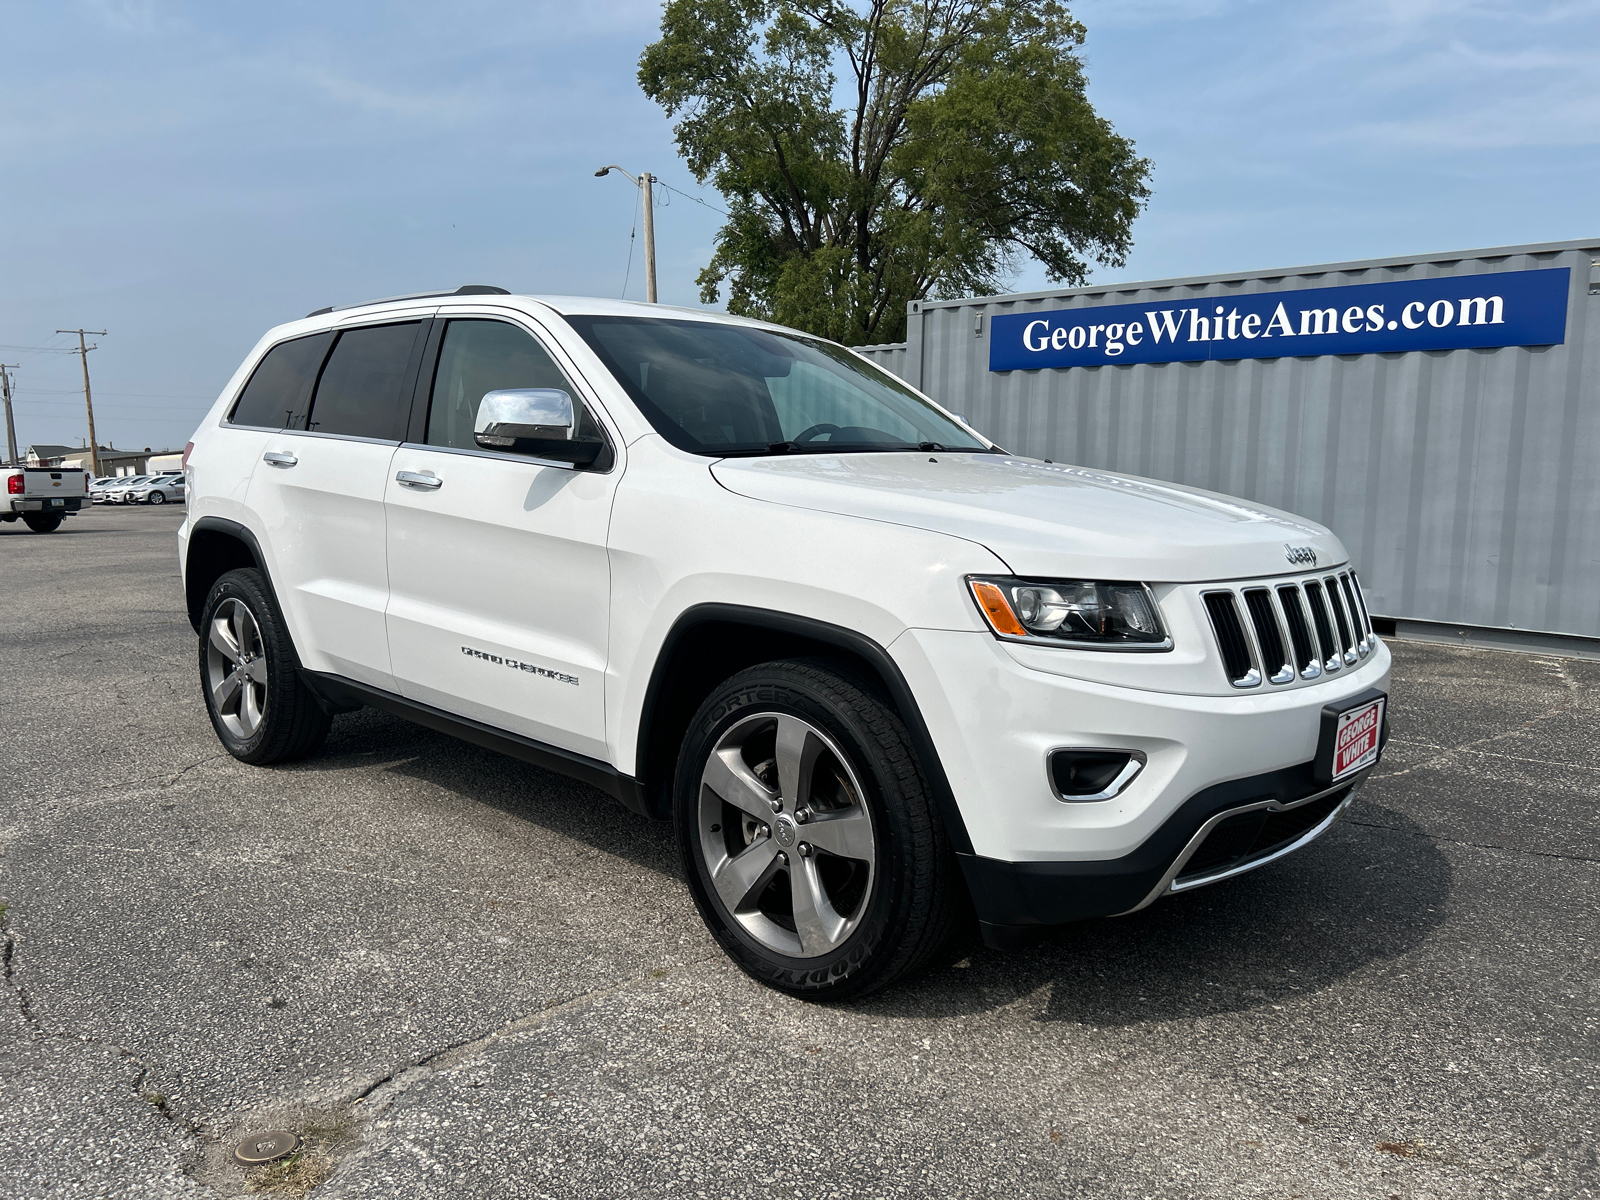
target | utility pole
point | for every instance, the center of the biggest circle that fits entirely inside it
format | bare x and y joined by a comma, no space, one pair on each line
11,429
88,400
644,182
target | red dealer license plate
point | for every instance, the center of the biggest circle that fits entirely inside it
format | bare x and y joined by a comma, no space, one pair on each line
1355,739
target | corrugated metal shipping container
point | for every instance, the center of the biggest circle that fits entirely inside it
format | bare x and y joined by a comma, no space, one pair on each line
1466,483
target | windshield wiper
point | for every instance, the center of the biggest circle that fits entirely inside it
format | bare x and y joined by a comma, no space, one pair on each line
777,448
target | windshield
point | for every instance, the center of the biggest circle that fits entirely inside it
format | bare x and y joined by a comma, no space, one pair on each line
725,390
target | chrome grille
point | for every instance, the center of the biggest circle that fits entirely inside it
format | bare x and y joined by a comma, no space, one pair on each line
1238,656
1293,607
1268,627
1322,619
1301,629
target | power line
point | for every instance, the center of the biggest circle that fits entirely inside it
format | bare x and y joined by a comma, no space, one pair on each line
632,231
111,410
151,396
696,199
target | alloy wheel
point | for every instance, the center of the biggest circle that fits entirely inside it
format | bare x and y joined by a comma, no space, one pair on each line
236,669
786,835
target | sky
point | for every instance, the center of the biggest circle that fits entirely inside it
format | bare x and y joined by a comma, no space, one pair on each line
187,175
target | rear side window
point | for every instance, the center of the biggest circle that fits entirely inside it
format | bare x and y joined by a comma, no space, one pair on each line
359,392
281,383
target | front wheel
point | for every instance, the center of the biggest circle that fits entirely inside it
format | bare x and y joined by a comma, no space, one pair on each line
42,522
249,674
157,498
807,834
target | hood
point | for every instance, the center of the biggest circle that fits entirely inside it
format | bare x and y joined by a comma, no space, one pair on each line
1045,519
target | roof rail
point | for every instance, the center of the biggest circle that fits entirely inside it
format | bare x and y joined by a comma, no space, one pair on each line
468,289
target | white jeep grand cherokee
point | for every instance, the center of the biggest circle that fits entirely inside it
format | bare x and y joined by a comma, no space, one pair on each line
879,673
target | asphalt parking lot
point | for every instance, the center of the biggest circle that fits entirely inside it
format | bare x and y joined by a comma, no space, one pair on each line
457,975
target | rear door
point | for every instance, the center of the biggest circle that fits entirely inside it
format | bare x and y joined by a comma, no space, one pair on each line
499,577
223,463
318,493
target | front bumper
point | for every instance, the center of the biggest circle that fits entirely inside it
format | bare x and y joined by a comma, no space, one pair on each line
63,504
1037,860
1216,834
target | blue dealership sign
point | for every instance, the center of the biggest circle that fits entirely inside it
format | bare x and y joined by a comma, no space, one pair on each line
1506,308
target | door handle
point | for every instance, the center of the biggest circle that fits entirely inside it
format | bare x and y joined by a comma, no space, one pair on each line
428,481
280,458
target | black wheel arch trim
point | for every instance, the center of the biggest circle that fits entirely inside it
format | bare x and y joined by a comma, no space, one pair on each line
240,533
857,644
339,694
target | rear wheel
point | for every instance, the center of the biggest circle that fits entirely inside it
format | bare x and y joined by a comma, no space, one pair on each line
249,674
42,522
807,834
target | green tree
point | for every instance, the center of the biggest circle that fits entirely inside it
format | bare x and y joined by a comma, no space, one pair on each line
882,151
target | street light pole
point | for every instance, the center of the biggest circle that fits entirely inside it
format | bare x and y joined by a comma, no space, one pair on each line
643,182
11,429
88,400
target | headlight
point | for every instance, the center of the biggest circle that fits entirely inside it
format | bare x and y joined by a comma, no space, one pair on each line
1071,612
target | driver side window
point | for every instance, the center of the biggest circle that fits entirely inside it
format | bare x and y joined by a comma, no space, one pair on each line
478,356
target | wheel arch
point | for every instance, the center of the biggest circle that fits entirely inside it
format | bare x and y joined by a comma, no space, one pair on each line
710,642
216,546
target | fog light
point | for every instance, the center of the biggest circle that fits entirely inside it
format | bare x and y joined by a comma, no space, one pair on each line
1093,774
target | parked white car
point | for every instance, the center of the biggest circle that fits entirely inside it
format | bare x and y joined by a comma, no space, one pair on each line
119,491
156,489
867,662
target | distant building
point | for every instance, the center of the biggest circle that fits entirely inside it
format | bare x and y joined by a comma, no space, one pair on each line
112,460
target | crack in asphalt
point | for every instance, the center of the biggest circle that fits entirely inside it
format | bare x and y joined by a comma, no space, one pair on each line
11,982
172,779
468,1048
1439,837
41,1034
382,1092
1543,762
1574,702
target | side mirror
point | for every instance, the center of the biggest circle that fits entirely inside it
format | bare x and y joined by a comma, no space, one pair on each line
535,421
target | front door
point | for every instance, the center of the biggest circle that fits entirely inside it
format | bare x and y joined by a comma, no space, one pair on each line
319,492
499,583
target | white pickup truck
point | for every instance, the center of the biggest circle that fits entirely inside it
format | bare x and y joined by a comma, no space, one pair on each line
43,496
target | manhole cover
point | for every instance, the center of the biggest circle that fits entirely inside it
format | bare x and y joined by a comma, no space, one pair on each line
257,1148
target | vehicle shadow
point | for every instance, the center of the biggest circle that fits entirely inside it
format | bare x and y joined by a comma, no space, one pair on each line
1369,891
553,802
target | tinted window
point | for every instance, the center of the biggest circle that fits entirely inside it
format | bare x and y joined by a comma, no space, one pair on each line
722,389
489,356
359,392
281,383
